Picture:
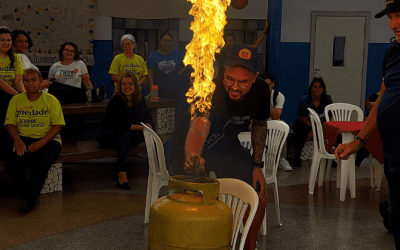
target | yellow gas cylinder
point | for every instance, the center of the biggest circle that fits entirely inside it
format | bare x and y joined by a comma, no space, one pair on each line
190,218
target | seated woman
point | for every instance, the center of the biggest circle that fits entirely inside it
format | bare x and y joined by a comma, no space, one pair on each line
10,76
68,74
121,125
128,62
164,65
34,120
316,99
21,43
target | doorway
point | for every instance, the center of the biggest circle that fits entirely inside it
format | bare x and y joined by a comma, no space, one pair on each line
339,53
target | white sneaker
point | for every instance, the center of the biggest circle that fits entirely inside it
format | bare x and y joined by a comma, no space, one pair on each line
284,164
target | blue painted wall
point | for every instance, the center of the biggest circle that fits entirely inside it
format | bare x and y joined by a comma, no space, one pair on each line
293,69
102,50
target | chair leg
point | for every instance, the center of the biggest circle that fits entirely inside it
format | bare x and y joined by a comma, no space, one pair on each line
371,170
313,174
322,166
264,224
379,176
338,174
352,178
328,170
148,199
278,211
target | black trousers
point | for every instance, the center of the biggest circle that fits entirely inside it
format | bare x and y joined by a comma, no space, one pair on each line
39,164
300,136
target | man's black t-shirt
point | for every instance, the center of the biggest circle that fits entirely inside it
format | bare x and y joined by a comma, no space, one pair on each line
228,119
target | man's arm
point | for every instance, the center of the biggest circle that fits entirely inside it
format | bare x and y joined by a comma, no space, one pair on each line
258,138
196,136
259,39
343,151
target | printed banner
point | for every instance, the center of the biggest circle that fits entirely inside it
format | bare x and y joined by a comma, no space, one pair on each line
51,23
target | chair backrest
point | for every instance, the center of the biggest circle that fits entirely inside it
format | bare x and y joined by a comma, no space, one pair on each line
276,137
343,112
238,195
318,134
155,152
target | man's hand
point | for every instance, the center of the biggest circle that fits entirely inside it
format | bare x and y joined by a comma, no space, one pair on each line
343,151
189,163
20,148
258,176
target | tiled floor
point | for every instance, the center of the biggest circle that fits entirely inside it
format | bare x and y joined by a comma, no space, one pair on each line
92,213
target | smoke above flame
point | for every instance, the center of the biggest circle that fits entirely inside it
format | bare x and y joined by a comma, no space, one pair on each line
208,27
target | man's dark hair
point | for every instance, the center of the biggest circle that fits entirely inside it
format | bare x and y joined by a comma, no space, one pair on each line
266,76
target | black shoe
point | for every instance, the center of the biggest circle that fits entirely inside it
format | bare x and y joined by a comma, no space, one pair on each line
124,186
297,163
26,205
384,210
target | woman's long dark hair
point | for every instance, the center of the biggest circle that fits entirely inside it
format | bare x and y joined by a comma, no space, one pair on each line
10,53
319,79
136,95
15,34
77,57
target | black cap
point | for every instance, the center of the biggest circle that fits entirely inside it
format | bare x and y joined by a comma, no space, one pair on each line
391,6
243,55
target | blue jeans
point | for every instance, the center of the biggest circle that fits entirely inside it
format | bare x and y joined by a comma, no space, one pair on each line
39,163
392,173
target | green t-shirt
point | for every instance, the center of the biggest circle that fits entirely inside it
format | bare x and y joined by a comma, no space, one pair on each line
7,74
35,119
122,64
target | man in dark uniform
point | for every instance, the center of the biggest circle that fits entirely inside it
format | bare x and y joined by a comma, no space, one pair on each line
385,116
240,99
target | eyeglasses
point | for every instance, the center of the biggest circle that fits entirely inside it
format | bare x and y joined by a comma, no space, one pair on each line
166,41
231,82
126,44
317,77
69,51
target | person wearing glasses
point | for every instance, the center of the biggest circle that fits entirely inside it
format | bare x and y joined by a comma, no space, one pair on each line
121,126
316,99
240,98
34,120
164,65
128,62
67,76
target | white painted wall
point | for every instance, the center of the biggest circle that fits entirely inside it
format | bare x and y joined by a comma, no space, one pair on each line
102,26
296,18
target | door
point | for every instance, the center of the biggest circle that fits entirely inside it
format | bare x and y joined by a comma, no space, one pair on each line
339,55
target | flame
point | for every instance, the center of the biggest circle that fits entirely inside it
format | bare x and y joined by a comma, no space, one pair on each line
208,27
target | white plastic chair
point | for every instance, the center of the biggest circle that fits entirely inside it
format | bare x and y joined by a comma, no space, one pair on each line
276,137
343,112
340,112
158,174
376,172
320,155
238,195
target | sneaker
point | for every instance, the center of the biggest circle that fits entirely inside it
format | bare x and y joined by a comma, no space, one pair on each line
284,164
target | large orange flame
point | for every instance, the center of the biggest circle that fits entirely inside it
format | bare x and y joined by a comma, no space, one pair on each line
208,27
